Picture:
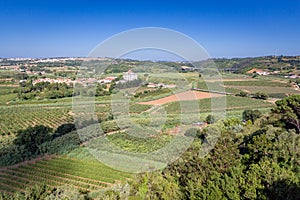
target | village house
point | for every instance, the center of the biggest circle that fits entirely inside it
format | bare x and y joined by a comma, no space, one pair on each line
258,71
108,79
151,85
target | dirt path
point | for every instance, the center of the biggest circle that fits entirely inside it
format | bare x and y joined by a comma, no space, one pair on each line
272,101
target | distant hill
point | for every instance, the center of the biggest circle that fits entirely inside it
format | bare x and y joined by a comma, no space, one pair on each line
270,63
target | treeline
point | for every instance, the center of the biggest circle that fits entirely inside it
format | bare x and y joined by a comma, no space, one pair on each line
257,95
242,65
44,90
117,68
37,141
47,90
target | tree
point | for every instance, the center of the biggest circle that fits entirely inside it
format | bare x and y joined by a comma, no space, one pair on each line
65,192
32,137
37,192
288,110
254,75
155,186
210,119
261,95
251,115
242,94
64,128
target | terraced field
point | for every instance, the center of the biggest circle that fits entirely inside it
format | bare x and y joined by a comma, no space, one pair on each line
84,175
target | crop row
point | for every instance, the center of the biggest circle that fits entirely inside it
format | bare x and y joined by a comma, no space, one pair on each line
14,119
79,171
87,176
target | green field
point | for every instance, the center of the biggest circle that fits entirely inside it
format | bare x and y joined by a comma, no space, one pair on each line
60,170
140,145
14,118
4,89
267,89
256,83
220,103
6,98
275,88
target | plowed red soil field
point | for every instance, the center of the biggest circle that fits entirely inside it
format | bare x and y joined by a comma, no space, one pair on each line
183,96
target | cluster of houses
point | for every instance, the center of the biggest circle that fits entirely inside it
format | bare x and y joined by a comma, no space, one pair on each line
84,81
260,72
57,80
263,72
128,76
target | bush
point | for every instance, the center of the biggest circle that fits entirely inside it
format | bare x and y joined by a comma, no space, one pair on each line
210,119
63,129
251,115
261,95
243,94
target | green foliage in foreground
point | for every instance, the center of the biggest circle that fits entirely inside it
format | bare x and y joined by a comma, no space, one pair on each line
251,115
288,110
258,159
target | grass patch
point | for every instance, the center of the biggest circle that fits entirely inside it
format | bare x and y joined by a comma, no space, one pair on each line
140,145
5,98
204,105
256,83
267,89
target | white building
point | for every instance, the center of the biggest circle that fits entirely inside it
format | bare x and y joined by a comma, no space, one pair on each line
108,79
130,76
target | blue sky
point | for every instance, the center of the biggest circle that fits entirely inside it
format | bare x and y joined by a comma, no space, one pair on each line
224,28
